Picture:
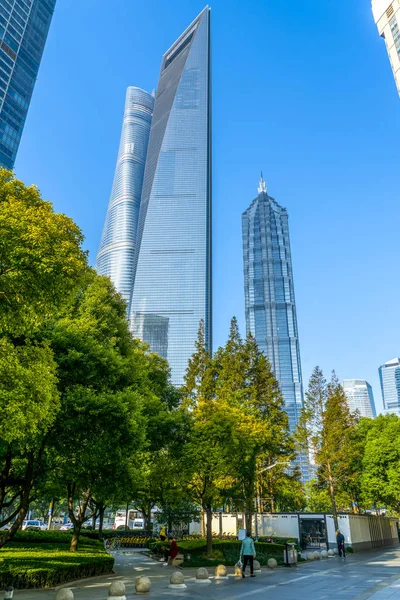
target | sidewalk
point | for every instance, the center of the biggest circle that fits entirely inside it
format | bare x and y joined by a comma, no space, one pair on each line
371,575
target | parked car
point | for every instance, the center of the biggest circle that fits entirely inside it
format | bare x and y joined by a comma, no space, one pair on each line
66,527
5,528
34,525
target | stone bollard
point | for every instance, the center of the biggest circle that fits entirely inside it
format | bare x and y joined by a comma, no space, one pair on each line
177,581
317,555
221,572
324,554
272,564
310,556
202,576
143,585
65,594
256,566
331,552
116,591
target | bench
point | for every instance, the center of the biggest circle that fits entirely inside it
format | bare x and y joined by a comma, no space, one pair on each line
177,561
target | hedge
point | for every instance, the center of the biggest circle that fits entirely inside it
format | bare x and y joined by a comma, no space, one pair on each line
224,551
50,537
33,565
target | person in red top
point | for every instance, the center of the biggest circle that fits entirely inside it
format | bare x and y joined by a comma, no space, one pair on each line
172,552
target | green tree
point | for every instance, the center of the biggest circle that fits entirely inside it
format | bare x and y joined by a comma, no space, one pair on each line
41,258
326,430
42,265
238,424
105,379
380,475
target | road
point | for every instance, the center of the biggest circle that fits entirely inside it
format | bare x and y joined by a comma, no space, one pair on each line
371,575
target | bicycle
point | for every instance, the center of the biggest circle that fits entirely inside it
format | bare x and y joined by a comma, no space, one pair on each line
112,544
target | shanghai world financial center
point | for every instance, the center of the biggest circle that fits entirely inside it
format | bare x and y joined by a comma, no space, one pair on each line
156,242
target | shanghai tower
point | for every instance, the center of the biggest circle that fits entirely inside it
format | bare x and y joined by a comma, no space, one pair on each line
269,297
115,257
172,277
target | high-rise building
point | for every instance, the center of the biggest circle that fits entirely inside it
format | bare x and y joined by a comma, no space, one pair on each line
24,25
269,294
115,257
389,375
172,282
360,397
387,18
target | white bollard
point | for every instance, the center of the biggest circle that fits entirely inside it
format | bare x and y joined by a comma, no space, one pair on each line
256,566
116,591
221,572
324,554
65,594
202,576
272,564
177,581
143,585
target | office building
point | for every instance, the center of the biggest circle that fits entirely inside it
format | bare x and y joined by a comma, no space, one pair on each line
269,294
172,282
360,397
387,18
115,257
389,375
24,25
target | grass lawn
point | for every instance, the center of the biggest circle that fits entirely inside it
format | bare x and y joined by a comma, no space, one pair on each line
34,564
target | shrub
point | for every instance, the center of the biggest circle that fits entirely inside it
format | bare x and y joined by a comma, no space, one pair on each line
49,537
195,552
32,565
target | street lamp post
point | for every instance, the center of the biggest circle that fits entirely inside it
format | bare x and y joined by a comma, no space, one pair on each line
257,499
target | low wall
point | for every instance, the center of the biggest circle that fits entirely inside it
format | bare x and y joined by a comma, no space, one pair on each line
361,532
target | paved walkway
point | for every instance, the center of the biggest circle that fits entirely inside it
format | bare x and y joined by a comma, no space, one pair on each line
371,575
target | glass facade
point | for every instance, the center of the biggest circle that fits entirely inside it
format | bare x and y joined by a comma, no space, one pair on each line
115,257
389,375
269,297
360,397
24,25
172,283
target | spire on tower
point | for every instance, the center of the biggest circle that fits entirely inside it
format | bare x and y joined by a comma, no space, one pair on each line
262,187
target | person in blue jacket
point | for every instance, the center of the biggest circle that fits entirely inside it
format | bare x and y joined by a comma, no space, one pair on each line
248,554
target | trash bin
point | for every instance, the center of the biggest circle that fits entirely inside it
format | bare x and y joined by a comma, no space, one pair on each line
290,554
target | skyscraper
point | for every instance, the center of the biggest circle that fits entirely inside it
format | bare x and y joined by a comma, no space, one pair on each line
360,397
387,18
269,294
172,282
389,375
24,25
115,257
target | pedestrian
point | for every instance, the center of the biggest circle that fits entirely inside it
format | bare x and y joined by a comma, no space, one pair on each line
163,533
247,554
340,544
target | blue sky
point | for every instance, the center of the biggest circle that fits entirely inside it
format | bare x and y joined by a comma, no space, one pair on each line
303,91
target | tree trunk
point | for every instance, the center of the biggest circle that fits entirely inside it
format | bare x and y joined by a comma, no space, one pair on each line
80,519
202,528
101,517
126,515
209,528
332,495
75,537
24,504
